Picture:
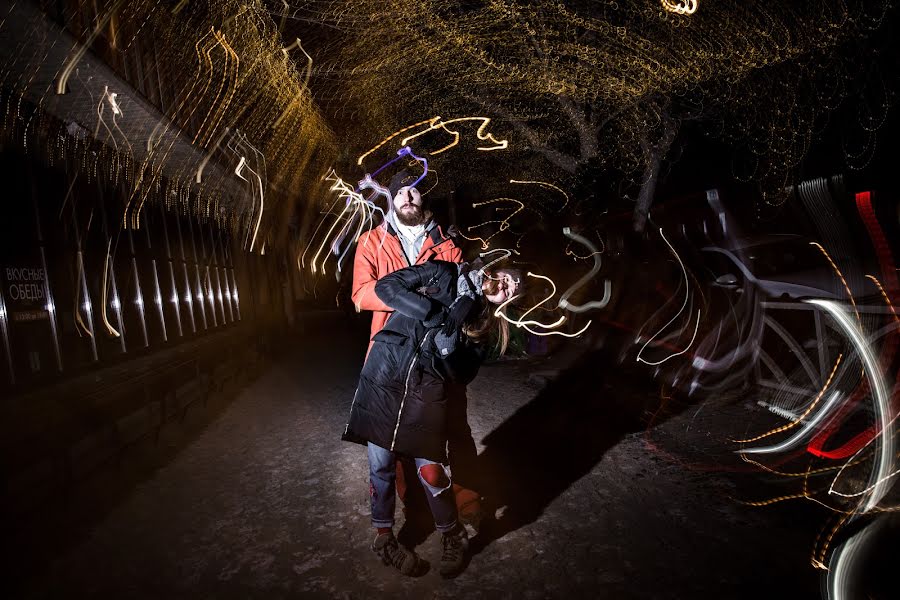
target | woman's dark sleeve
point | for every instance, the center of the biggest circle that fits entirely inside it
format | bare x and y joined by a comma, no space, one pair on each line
399,290
463,364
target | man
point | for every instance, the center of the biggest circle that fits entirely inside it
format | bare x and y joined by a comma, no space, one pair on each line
410,236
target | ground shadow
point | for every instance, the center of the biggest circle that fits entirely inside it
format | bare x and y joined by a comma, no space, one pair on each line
557,438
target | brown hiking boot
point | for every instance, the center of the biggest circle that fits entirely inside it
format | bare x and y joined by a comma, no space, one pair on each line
455,545
393,554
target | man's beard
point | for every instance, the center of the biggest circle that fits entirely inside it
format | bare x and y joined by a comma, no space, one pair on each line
411,218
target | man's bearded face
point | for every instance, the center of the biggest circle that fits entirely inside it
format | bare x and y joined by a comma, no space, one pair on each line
408,207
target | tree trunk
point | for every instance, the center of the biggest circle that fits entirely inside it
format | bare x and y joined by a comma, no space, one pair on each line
655,153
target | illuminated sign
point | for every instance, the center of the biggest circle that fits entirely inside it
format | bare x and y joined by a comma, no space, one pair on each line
24,289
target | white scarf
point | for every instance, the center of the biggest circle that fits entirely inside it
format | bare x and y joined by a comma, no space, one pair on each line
410,233
411,240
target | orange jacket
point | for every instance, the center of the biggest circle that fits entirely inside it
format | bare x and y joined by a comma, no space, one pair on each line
378,253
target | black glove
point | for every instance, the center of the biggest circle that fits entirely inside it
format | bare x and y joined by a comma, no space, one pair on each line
437,318
459,310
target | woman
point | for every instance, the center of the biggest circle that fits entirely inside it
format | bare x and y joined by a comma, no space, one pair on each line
443,315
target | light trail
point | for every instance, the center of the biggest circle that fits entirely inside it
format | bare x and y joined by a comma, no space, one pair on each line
607,285
545,184
687,295
504,223
104,287
885,454
805,414
83,48
841,277
885,296
833,400
242,164
438,123
680,7
522,323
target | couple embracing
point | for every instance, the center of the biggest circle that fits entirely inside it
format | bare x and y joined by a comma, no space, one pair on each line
433,323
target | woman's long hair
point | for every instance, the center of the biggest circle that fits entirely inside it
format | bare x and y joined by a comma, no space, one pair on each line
485,324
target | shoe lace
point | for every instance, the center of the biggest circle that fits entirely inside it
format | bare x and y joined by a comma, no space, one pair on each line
392,554
453,547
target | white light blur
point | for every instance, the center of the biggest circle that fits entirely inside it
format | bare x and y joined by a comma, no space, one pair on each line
607,285
798,437
885,457
115,106
687,295
843,563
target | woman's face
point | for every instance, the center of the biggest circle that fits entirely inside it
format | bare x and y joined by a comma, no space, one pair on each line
499,287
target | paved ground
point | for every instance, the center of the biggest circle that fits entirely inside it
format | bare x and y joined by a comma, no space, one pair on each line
266,502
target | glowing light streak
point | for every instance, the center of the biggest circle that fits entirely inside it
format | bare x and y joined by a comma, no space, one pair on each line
233,88
607,285
794,474
102,121
309,60
818,558
885,296
805,414
242,164
504,223
833,400
241,144
844,564
112,102
83,48
350,207
116,113
521,320
206,159
231,57
359,161
104,287
841,277
545,184
356,209
438,123
147,167
771,501
79,290
687,295
885,454
524,324
301,96
330,176
505,252
867,489
681,7
482,135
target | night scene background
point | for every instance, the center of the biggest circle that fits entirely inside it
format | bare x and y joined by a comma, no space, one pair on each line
700,393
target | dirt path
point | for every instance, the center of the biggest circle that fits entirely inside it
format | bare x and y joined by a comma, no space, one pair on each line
268,503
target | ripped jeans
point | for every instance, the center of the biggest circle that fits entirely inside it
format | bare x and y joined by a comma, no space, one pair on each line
382,492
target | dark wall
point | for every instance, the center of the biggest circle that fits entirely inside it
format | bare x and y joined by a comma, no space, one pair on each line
81,293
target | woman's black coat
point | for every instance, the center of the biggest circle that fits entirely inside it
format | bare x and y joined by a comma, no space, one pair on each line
400,403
